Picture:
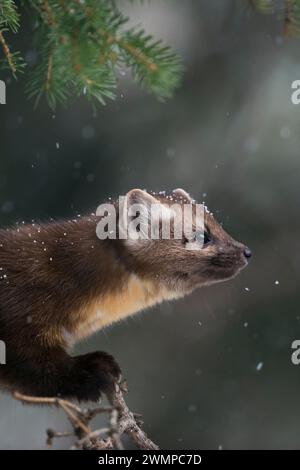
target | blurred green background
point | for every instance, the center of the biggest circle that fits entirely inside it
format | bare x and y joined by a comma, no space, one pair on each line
213,370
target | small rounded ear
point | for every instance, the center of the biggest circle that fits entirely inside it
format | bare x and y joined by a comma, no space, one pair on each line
137,213
143,215
181,193
138,196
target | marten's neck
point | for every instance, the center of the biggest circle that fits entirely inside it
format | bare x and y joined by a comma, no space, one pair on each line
114,289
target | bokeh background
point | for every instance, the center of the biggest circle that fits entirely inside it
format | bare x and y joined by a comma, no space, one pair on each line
213,370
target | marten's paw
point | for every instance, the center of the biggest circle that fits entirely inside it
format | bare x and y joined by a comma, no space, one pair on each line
106,363
97,372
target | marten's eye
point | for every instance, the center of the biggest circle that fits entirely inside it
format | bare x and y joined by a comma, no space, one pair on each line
202,237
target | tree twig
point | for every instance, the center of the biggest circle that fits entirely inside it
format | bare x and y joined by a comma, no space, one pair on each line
122,421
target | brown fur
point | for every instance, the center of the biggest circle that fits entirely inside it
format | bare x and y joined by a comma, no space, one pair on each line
59,283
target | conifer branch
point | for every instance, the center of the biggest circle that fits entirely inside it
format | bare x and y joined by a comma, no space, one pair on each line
7,53
138,55
81,46
49,71
49,15
9,22
287,11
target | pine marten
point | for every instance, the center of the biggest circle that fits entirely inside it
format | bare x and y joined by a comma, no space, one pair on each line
59,283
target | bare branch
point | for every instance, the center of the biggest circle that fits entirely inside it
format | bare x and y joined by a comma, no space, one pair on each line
122,421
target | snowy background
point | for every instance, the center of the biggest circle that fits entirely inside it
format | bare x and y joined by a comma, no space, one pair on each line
213,370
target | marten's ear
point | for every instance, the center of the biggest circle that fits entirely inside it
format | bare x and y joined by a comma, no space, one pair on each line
182,194
142,215
138,196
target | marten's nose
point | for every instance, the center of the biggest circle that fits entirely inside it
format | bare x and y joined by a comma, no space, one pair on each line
247,253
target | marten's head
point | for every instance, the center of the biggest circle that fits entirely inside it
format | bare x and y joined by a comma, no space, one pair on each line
181,263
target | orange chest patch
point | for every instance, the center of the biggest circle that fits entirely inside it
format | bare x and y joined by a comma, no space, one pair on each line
136,296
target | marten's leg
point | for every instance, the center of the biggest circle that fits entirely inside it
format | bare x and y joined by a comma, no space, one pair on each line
52,372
